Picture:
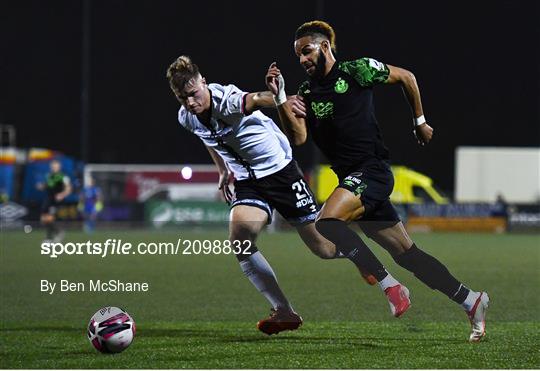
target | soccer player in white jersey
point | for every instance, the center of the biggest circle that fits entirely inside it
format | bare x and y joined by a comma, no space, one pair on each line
247,144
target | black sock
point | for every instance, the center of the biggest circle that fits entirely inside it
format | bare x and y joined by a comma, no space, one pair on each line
433,273
460,296
351,245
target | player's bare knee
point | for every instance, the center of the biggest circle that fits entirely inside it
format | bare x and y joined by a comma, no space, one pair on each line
243,232
396,248
243,241
403,248
324,250
242,238
325,254
316,243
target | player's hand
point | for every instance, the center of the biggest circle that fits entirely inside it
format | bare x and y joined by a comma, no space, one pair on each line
58,197
272,78
298,106
423,134
225,179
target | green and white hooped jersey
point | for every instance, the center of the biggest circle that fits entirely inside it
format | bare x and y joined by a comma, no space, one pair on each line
251,145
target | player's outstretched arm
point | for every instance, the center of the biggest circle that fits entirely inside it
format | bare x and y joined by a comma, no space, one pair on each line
261,99
291,110
398,75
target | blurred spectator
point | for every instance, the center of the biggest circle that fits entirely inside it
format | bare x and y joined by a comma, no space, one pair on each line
90,204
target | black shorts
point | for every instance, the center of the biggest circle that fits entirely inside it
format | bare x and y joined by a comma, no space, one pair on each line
286,191
373,184
49,206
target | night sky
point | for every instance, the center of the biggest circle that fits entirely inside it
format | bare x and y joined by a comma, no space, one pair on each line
476,64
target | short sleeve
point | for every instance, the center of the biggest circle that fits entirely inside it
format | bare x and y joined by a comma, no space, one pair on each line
183,119
366,71
232,102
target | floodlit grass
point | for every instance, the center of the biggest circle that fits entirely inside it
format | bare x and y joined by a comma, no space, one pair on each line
200,312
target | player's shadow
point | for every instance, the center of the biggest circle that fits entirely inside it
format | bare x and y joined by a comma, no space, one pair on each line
225,336
311,340
198,333
361,341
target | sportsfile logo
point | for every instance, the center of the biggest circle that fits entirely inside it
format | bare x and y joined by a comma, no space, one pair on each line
118,247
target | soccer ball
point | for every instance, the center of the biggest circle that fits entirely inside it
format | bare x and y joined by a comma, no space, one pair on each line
111,330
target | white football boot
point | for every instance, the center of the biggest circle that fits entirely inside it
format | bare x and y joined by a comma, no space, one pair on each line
477,317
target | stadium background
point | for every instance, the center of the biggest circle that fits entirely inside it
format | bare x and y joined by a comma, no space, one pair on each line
477,66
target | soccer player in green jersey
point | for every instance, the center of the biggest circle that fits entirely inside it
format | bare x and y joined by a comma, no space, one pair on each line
336,105
57,187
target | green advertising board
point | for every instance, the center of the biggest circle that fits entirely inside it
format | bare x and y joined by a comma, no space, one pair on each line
163,213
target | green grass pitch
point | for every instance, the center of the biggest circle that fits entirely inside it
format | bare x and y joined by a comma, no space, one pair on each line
200,312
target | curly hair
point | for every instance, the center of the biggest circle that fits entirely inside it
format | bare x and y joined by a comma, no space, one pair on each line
180,72
317,29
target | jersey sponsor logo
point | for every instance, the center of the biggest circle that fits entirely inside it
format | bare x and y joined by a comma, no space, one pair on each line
361,188
341,86
355,184
322,109
352,180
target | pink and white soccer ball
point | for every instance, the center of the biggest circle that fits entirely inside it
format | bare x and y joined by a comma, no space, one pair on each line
111,330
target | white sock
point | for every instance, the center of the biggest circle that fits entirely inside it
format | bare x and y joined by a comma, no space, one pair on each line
468,304
387,282
261,275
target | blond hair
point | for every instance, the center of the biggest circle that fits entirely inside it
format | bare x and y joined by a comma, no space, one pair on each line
180,72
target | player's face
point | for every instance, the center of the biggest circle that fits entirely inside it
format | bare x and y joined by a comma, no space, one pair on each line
311,57
55,166
195,96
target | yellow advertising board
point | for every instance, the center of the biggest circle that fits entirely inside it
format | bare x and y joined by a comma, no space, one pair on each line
407,181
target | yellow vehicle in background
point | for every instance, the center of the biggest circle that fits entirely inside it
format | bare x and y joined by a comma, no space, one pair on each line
407,181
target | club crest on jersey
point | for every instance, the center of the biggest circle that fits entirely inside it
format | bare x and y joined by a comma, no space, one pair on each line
322,109
341,86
